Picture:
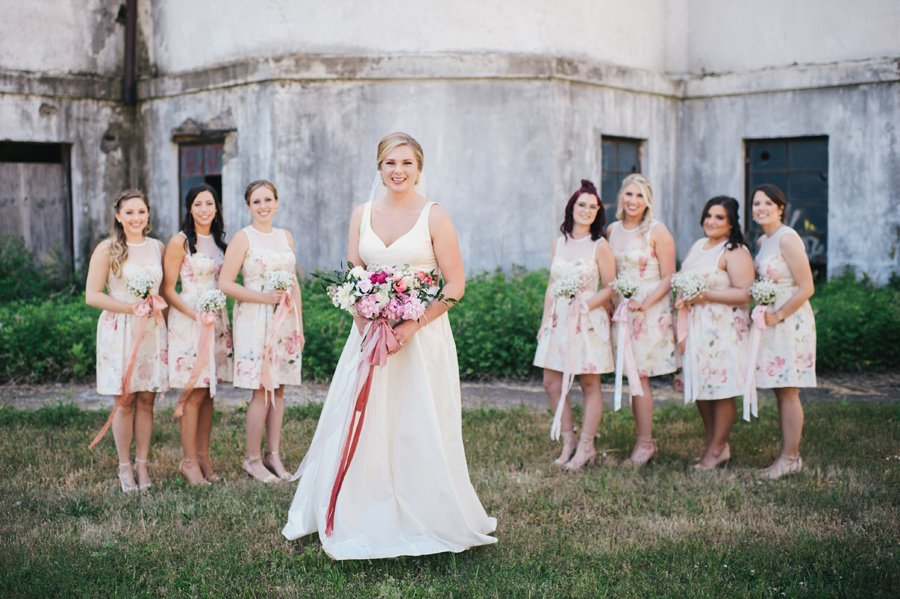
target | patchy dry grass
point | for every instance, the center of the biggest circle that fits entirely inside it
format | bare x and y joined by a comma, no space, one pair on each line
663,531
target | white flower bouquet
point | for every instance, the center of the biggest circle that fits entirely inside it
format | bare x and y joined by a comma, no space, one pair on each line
141,284
626,285
570,285
278,280
689,285
374,292
763,291
212,300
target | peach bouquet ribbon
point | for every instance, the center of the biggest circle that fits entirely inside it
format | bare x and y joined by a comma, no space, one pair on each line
206,322
683,331
751,400
153,305
284,306
378,342
625,356
577,307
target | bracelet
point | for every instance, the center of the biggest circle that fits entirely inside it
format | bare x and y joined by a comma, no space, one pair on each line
426,319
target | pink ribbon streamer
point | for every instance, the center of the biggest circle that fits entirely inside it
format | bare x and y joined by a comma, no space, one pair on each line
683,331
378,342
153,305
207,332
625,361
751,400
577,306
284,305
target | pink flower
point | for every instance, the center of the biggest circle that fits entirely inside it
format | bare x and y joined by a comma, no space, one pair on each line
413,309
400,285
774,367
109,321
366,306
555,320
807,360
395,308
714,375
638,328
180,365
164,356
642,263
364,285
292,343
388,270
591,367
378,277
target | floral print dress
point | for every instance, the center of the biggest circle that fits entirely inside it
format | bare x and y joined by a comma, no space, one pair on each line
253,322
199,273
115,330
719,335
591,347
787,350
653,330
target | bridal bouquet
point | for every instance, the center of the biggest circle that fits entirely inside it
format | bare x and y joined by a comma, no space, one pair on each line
141,284
399,293
626,285
212,300
689,285
569,286
278,280
763,291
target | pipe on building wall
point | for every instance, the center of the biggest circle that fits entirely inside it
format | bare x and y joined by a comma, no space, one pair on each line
128,78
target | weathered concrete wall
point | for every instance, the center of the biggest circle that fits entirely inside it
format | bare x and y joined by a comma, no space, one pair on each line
861,123
190,35
742,36
501,155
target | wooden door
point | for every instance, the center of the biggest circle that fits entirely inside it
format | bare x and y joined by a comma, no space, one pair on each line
35,205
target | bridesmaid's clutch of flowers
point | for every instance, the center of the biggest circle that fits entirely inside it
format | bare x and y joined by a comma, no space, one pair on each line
278,280
140,284
569,286
382,291
763,291
689,285
212,300
626,285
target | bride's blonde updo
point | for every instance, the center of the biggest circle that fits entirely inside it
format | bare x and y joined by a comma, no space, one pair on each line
395,140
644,185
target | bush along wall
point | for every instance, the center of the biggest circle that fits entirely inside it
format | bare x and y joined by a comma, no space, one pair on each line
48,338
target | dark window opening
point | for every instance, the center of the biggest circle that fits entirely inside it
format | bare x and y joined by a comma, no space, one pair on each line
799,167
199,162
31,152
620,158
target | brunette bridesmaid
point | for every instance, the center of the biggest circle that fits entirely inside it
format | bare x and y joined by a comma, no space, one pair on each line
263,354
129,256
787,350
195,255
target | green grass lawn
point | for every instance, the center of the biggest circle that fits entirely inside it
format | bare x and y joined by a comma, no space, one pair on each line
662,531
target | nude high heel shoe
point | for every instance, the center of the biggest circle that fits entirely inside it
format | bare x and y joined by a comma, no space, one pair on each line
127,487
570,443
583,454
644,451
144,486
206,467
783,466
202,481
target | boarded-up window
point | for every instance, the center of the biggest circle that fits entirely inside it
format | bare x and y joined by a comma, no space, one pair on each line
620,158
34,200
799,167
200,162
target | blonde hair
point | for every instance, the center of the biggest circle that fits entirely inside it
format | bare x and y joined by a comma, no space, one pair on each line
118,247
256,185
646,189
395,140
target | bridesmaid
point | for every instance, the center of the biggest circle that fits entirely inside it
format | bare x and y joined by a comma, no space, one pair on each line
644,249
195,254
787,351
717,326
581,248
126,254
256,250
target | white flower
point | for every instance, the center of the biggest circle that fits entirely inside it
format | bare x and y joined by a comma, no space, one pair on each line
212,300
764,291
570,285
626,285
141,284
358,272
279,279
689,284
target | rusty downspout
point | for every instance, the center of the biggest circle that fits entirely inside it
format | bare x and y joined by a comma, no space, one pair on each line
128,78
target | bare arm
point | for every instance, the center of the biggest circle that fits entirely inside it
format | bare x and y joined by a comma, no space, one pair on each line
353,253
234,258
548,300
98,271
739,266
794,253
175,254
664,247
296,295
606,263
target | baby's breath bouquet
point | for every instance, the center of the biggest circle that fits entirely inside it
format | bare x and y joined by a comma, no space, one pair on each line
763,291
689,285
212,300
570,285
626,285
141,284
279,280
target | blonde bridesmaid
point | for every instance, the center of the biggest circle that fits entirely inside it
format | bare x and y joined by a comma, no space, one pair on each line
129,254
644,250
195,255
787,351
256,250
718,325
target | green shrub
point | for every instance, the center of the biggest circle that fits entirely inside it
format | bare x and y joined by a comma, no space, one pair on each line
22,278
857,324
326,329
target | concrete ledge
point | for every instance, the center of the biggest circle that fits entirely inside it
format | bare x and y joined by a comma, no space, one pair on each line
91,87
794,78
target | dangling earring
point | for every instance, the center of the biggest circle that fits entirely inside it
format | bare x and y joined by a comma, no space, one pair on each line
417,181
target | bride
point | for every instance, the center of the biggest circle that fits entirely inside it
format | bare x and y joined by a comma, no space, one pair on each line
407,492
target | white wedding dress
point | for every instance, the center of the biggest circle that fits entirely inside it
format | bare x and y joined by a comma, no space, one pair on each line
407,490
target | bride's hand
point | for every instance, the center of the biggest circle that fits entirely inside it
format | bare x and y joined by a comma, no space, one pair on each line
360,324
403,332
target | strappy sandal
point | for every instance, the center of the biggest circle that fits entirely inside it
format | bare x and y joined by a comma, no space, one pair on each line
286,475
144,486
268,479
212,476
201,482
127,487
